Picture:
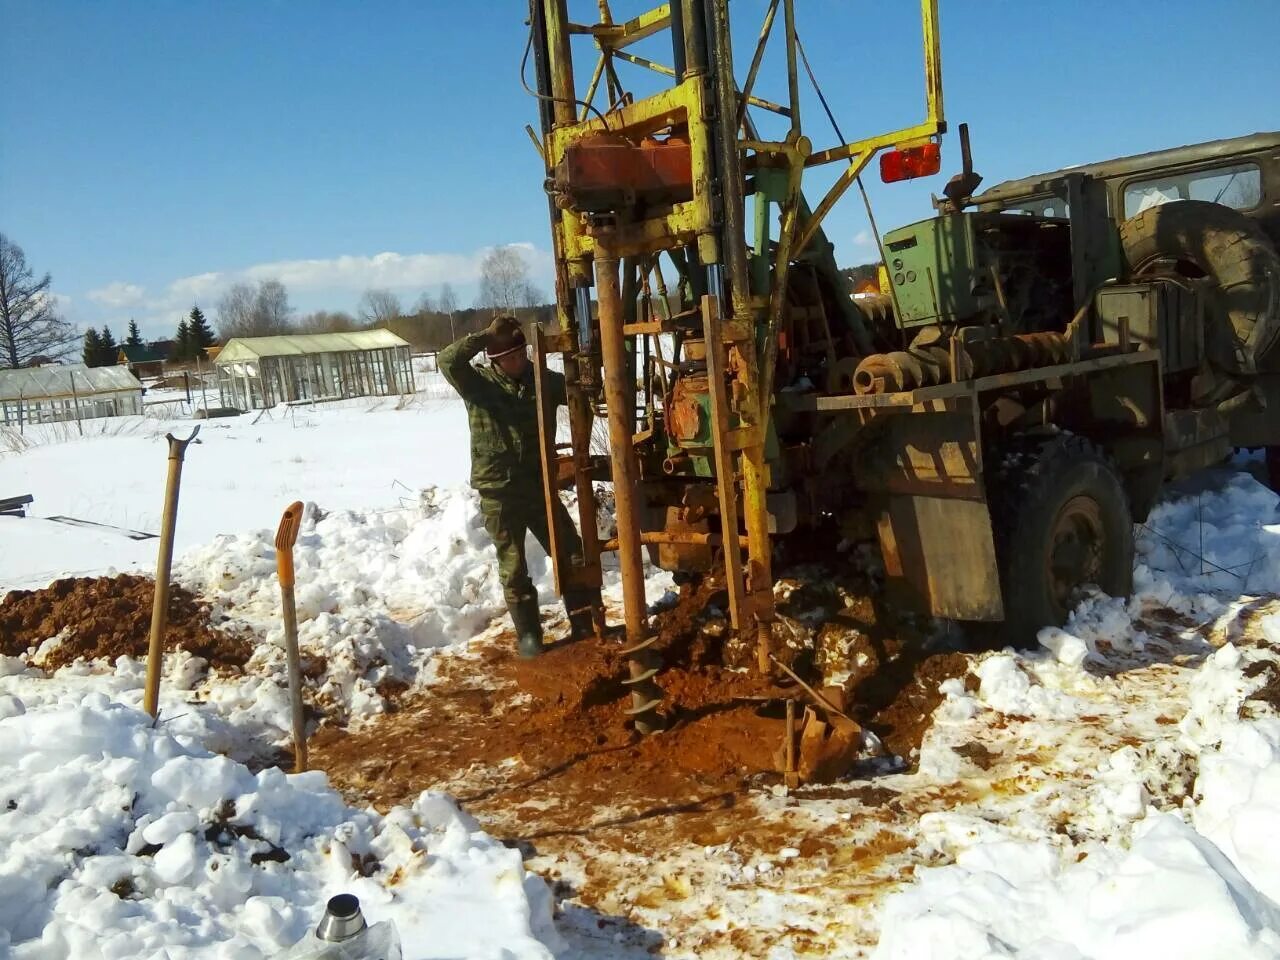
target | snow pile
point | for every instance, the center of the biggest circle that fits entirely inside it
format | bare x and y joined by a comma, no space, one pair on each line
1173,849
119,840
377,593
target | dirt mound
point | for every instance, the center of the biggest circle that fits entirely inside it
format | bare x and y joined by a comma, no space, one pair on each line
564,714
111,617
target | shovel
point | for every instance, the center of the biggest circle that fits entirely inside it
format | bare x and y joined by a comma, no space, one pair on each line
286,537
164,566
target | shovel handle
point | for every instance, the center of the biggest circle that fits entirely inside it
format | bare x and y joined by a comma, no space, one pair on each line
286,537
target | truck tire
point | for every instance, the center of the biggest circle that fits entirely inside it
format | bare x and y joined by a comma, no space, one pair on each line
1062,521
1208,239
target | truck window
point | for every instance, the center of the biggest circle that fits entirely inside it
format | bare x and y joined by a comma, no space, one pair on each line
1239,186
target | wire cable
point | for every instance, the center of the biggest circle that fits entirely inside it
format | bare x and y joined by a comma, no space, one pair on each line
524,65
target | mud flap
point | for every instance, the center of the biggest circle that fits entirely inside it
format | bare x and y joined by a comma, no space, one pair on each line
942,552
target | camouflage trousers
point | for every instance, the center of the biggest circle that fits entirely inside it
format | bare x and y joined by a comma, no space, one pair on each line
507,518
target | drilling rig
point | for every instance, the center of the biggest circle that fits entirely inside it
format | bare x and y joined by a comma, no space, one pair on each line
659,186
995,420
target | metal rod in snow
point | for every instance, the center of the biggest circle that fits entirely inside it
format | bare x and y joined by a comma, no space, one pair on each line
76,397
204,389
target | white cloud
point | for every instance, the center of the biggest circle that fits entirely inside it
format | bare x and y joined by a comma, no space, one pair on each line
863,238
119,295
356,274
337,281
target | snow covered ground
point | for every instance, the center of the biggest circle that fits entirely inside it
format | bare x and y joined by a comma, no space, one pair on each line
1110,795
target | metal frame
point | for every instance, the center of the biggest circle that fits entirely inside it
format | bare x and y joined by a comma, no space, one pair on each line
737,311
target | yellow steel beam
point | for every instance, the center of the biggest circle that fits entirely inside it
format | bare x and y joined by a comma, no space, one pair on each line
906,137
619,35
845,181
666,71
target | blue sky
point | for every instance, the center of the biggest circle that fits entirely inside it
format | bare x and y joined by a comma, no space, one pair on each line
153,152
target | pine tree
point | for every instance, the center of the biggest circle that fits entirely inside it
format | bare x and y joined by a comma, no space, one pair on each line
134,339
200,334
110,349
182,341
92,353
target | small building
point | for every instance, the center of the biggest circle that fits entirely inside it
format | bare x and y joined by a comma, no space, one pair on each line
255,372
67,392
143,359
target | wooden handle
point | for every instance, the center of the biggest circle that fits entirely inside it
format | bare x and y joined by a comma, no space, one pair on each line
286,537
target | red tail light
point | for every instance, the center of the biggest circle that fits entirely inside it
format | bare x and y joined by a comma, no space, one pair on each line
922,161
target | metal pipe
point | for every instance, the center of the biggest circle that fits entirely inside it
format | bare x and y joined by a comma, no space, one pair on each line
619,400
690,538
793,76
695,36
582,313
561,61
626,472
541,70
677,38
164,564
734,230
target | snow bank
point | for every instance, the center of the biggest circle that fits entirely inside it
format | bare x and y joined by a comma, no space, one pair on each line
1196,879
377,593
118,840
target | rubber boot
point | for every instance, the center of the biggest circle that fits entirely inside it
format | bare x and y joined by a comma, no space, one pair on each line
580,607
528,623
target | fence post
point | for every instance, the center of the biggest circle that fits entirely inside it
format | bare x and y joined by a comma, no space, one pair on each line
76,396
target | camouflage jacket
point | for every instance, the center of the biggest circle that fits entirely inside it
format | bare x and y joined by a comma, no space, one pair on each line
503,416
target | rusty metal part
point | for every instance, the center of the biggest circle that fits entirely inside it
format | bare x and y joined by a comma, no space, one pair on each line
902,370
164,563
673,465
790,775
840,375
645,695
929,366
685,414
606,171
650,538
818,698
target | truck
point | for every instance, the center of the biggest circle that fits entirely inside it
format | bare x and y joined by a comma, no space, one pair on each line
1040,357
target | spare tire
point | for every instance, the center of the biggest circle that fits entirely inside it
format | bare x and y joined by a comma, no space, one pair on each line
1207,239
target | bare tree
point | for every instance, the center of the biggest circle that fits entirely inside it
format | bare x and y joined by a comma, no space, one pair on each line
248,311
504,281
235,312
327,321
30,327
424,305
272,307
448,301
379,307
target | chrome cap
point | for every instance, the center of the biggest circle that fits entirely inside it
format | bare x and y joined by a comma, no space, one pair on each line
342,918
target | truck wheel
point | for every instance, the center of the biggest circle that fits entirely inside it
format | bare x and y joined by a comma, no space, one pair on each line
1207,239
1062,521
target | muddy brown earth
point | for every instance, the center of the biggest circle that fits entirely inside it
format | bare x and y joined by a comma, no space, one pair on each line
110,617
563,716
542,754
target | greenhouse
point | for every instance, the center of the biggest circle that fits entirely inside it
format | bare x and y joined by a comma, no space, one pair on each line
256,372
67,392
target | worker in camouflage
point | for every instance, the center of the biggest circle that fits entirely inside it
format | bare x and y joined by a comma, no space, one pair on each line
506,469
